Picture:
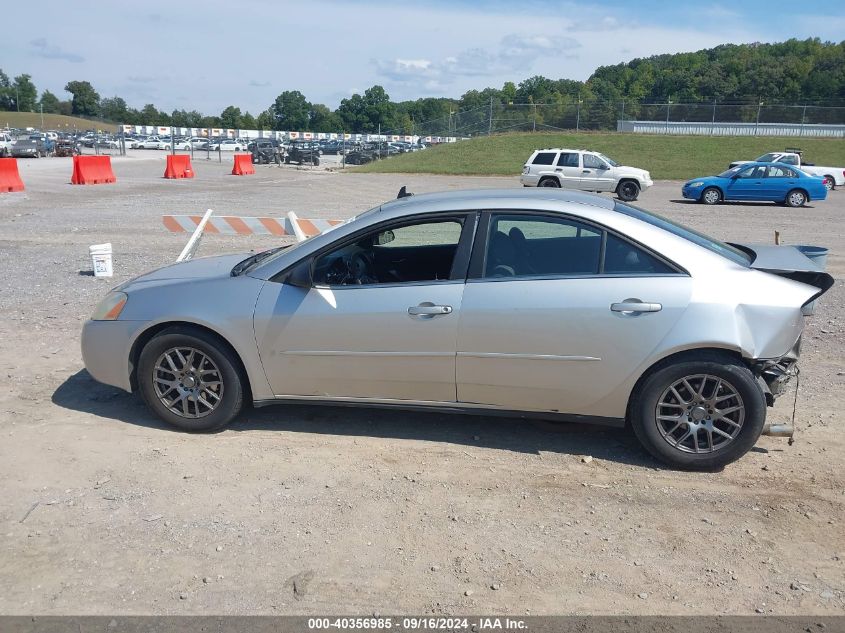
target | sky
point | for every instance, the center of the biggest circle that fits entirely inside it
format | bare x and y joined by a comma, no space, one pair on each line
207,54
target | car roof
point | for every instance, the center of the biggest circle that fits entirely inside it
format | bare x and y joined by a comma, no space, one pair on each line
561,149
480,198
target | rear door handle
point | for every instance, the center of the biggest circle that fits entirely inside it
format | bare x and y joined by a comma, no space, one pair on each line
635,306
586,171
428,309
558,169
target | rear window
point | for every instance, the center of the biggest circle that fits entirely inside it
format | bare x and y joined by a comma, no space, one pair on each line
720,248
544,158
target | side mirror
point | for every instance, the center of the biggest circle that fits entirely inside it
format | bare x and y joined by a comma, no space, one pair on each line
385,237
300,276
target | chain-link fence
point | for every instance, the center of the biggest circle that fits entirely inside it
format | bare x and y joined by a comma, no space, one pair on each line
596,114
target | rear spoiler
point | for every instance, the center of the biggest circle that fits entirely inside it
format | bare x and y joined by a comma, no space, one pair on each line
789,262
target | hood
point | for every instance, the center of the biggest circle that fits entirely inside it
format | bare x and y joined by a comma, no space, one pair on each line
790,262
199,268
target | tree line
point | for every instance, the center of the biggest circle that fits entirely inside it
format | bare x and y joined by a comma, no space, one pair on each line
793,71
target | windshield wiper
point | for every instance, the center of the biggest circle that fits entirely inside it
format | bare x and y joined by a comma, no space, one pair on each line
242,266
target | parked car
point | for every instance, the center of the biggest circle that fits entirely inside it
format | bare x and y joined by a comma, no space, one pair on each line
550,304
228,145
266,150
28,148
832,176
199,142
584,170
6,143
361,154
152,142
302,152
773,182
178,144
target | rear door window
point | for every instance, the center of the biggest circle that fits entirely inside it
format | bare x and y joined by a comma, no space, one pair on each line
544,158
568,159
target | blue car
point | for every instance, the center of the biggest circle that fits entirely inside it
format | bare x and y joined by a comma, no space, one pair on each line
773,182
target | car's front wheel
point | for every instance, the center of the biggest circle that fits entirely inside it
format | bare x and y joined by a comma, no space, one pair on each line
796,198
190,380
628,190
700,413
711,196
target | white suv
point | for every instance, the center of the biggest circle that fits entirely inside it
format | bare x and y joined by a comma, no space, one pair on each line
584,170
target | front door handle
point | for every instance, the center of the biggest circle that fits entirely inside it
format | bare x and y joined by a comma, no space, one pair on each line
586,171
635,306
429,309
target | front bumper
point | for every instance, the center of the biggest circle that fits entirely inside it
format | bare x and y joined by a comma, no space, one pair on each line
105,351
691,193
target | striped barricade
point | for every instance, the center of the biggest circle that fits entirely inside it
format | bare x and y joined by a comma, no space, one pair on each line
239,225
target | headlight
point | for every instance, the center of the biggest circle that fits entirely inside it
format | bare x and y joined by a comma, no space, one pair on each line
110,307
697,183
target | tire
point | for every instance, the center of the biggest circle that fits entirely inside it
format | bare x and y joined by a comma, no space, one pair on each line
711,196
316,162
549,182
726,383
287,160
796,198
225,371
628,190
829,182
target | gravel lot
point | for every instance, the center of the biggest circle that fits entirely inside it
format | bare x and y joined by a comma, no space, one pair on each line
316,509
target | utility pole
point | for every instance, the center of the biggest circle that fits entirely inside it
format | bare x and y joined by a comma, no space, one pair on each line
803,115
757,122
713,119
623,112
578,115
668,105
490,123
534,125
41,107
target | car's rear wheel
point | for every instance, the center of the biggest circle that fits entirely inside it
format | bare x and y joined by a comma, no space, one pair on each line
829,183
190,380
796,198
711,196
700,413
628,190
549,182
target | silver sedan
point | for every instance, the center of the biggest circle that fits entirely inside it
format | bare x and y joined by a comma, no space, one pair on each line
518,302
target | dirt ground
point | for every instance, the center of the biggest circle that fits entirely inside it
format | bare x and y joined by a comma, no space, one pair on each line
308,510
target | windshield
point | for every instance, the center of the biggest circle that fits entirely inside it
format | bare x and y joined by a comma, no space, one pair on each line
612,162
730,172
270,256
720,248
765,158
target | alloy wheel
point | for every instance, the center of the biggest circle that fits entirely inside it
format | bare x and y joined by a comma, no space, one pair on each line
188,382
796,199
700,414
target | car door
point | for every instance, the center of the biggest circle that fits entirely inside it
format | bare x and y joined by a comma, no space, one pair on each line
379,320
747,184
568,170
779,180
596,174
542,162
558,313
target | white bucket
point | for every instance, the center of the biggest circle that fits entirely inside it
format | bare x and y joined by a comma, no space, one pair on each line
101,259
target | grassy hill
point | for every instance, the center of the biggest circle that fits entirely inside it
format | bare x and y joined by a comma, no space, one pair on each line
58,122
666,157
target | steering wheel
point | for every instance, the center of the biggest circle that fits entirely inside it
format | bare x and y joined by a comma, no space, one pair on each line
503,271
350,270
